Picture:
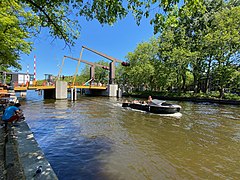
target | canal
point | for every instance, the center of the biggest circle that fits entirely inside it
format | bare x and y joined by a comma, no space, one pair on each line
95,138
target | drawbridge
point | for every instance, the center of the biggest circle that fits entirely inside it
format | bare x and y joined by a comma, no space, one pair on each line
24,88
111,87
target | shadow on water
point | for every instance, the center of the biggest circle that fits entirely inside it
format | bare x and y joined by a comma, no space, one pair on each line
81,155
62,129
72,153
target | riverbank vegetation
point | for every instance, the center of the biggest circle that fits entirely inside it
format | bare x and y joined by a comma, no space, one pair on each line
213,95
23,20
195,51
196,55
199,53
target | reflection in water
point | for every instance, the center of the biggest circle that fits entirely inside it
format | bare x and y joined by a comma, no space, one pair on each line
95,138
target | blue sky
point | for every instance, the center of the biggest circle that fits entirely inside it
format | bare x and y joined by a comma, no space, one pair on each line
115,41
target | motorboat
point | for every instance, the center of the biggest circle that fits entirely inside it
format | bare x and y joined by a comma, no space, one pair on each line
162,107
155,106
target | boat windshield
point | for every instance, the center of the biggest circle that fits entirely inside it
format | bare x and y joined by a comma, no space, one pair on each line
157,102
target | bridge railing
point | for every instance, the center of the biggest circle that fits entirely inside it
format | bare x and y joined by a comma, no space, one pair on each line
48,85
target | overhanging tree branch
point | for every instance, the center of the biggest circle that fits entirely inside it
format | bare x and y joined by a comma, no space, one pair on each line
50,21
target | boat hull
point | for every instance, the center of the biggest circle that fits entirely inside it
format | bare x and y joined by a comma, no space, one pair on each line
125,104
142,107
164,109
156,109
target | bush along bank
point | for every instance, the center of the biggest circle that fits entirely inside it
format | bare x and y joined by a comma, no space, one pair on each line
231,99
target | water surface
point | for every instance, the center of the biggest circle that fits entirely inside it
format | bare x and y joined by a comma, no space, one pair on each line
95,138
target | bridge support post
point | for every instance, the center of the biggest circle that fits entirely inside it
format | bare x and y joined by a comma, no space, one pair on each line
92,72
61,90
112,72
112,90
119,93
73,94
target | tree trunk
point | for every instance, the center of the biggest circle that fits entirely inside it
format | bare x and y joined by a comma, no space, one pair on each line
221,91
207,82
195,83
184,82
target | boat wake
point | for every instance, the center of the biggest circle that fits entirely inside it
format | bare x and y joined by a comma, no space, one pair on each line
177,114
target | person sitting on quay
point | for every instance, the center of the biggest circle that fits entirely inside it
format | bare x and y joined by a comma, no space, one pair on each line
12,113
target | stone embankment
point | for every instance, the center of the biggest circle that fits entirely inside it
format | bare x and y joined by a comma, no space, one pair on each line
20,155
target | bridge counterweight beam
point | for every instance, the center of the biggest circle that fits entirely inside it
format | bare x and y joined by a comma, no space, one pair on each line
111,72
92,72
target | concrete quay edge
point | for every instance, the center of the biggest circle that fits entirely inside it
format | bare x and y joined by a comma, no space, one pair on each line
31,155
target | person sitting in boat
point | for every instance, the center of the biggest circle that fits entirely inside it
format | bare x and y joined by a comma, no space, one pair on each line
149,99
144,102
135,101
12,113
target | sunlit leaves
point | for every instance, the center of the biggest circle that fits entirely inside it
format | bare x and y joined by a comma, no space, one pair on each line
13,33
198,42
105,11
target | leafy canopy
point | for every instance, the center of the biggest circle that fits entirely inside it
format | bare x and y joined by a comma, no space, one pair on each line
23,19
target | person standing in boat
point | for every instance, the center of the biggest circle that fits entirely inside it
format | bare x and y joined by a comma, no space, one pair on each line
12,113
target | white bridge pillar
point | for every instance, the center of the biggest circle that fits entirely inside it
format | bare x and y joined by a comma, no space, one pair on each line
61,90
112,90
74,94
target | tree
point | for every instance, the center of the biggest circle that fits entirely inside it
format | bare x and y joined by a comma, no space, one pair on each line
175,55
204,44
101,75
225,39
57,15
195,34
13,24
62,18
142,71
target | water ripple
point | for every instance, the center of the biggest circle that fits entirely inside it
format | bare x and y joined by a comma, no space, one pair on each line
95,138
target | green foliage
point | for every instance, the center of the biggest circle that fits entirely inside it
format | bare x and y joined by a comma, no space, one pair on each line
198,45
23,19
197,50
212,95
232,96
101,75
13,34
224,41
142,61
